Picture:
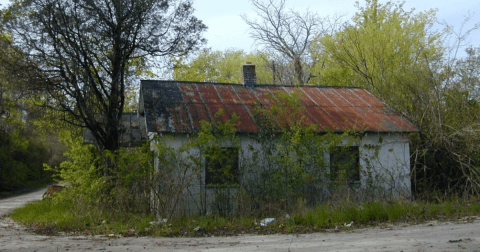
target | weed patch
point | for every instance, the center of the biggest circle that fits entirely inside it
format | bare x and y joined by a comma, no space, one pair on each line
51,217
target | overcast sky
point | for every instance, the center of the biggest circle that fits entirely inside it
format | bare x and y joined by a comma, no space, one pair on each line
227,30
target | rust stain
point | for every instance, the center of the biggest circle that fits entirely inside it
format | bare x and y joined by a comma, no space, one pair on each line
172,106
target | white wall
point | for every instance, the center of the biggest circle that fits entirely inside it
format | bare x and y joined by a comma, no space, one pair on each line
384,163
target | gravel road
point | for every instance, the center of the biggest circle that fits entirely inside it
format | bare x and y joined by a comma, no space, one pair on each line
462,235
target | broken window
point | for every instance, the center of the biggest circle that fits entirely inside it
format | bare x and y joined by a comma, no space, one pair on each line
345,165
221,166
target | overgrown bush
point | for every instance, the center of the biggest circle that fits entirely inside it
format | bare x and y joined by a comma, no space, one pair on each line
125,190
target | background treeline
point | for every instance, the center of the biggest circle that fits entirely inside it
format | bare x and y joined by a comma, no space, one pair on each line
26,138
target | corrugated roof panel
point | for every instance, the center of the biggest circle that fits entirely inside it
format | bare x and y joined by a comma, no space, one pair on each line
234,105
375,116
181,120
265,96
198,112
349,95
246,95
194,105
249,100
316,94
180,106
321,117
368,98
337,100
360,122
213,102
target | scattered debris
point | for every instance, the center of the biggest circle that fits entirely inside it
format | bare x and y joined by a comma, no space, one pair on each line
159,222
266,221
348,225
454,241
460,240
196,229
287,217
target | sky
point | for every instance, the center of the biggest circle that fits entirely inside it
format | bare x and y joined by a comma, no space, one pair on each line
227,30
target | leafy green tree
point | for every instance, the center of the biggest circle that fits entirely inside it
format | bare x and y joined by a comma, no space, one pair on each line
384,50
222,67
396,55
86,49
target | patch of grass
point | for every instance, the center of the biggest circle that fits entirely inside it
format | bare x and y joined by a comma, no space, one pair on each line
60,216
44,213
50,217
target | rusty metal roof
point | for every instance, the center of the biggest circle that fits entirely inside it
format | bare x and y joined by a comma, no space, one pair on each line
178,107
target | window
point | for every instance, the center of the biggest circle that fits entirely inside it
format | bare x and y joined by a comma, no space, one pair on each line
344,164
221,166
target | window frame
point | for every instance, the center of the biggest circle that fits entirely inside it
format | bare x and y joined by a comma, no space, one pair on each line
215,171
349,157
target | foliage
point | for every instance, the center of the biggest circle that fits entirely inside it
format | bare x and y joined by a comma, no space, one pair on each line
289,157
384,51
23,146
86,50
125,191
21,159
222,67
397,56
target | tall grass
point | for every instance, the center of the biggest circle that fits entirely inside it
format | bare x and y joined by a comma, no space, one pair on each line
62,216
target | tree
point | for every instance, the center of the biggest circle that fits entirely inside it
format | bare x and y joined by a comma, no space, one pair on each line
397,56
85,50
222,67
384,50
23,149
286,32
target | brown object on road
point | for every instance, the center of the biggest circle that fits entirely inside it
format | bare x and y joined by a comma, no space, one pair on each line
51,189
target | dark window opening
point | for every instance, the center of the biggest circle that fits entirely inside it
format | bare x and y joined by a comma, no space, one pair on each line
345,165
221,166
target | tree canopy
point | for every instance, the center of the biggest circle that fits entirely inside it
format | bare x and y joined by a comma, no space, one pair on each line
85,49
398,57
222,67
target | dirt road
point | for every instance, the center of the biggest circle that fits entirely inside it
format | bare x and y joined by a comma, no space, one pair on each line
463,235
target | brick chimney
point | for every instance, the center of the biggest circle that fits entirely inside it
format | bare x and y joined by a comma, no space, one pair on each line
248,75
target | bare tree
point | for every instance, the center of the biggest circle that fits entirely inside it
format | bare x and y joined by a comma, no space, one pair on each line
85,50
286,32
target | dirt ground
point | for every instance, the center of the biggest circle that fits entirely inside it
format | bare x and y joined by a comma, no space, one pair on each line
463,235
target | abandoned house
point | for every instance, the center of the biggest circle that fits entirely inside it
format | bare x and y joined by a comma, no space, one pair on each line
171,111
